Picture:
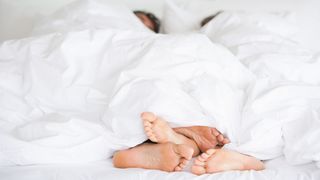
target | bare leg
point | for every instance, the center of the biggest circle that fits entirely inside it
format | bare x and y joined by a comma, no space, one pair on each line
166,157
218,160
205,137
159,131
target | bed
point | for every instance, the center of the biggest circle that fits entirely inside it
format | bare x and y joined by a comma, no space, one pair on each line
71,87
277,169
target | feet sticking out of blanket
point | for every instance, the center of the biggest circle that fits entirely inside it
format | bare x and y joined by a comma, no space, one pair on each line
200,137
205,137
218,160
166,157
158,130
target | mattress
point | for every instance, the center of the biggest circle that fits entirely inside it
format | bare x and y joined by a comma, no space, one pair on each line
102,170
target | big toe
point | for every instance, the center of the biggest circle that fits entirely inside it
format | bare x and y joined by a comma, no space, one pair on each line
198,166
226,141
222,140
148,116
200,163
215,132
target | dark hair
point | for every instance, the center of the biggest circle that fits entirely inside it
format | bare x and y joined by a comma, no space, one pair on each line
209,18
152,17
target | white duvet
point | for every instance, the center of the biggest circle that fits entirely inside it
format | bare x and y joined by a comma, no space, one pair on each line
75,90
281,112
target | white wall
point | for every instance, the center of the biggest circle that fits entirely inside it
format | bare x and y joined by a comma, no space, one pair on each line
48,6
17,17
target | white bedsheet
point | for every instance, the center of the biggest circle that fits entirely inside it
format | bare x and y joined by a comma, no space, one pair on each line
76,95
277,169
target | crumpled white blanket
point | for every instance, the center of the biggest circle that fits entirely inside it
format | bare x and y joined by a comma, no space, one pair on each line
281,113
75,94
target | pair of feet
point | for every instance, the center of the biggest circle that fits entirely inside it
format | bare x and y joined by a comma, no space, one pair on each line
176,147
158,130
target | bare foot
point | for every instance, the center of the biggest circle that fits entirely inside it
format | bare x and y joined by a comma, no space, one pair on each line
205,137
166,157
159,131
218,160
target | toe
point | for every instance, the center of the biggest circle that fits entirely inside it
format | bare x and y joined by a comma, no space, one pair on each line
199,162
210,152
226,141
178,168
182,166
198,170
152,137
184,162
201,159
205,156
220,138
147,124
149,134
215,132
148,130
148,116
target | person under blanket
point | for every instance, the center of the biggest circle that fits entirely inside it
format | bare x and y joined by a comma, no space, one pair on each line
149,20
209,18
171,151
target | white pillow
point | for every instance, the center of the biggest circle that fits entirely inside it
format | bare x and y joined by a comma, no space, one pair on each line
274,23
182,16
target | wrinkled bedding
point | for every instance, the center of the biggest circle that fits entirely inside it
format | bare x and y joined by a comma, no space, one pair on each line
277,169
76,95
75,90
281,113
